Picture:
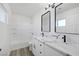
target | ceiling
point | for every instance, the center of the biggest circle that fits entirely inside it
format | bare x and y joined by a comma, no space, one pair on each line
66,6
27,9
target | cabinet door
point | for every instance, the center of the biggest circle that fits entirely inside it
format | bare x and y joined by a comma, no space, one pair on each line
35,47
51,51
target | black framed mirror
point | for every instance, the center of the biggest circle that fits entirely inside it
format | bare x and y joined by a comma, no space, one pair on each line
67,18
46,22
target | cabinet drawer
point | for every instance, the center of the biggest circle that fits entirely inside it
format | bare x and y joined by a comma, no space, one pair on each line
52,51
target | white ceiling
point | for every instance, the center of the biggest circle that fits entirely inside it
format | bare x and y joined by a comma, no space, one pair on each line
27,9
66,6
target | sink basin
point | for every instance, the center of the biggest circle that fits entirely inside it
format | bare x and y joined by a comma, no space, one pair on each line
53,40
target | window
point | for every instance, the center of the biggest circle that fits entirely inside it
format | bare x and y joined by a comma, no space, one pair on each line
2,14
61,23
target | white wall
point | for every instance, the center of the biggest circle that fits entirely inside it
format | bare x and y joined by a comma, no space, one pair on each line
4,39
20,29
37,21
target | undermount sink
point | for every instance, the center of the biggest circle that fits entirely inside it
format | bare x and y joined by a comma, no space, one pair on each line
58,42
53,40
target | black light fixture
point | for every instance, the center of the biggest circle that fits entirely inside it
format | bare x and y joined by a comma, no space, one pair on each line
50,5
53,5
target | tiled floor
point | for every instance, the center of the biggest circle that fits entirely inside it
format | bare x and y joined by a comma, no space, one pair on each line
21,52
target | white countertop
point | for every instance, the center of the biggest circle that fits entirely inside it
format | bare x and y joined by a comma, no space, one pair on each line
66,48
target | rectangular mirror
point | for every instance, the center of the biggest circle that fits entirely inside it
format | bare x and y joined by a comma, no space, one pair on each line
67,18
45,22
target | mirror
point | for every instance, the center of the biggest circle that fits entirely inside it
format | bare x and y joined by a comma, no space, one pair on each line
67,18
45,22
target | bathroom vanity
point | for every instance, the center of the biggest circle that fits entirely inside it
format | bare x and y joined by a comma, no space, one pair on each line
66,21
41,47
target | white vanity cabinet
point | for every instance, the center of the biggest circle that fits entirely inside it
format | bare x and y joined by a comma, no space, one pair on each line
41,49
34,46
50,51
37,47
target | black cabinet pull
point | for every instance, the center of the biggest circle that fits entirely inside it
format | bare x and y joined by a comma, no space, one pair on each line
0,49
40,44
40,52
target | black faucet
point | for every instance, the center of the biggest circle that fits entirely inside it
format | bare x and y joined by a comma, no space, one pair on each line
64,37
42,34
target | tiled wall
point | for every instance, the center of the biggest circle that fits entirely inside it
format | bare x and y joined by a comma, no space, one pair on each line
19,31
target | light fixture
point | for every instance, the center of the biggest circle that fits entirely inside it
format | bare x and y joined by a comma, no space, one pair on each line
50,5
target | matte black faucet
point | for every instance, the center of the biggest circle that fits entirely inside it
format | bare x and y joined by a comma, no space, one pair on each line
42,34
64,37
